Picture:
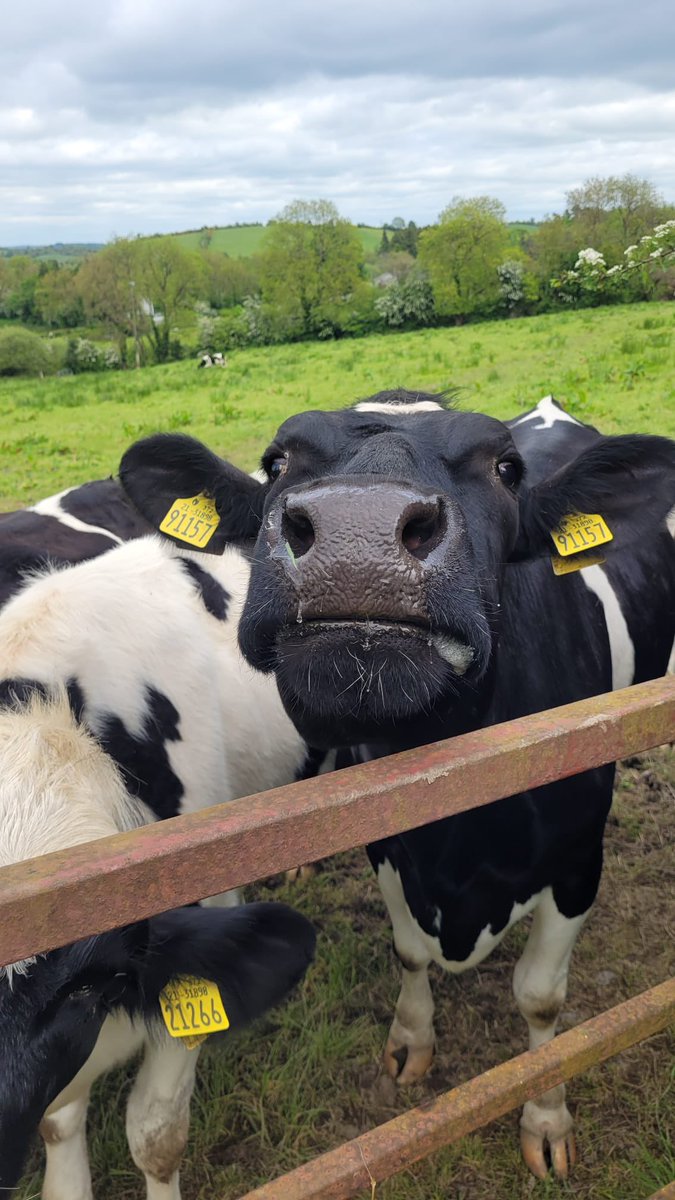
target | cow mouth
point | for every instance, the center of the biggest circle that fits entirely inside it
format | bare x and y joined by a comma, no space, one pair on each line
376,632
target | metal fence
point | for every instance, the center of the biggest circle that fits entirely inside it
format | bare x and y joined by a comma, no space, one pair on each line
55,899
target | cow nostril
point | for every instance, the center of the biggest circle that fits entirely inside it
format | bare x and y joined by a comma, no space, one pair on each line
424,530
298,532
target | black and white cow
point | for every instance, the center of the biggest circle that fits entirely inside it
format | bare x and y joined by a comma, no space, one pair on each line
77,524
402,591
123,699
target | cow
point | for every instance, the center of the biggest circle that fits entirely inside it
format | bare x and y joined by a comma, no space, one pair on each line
402,591
76,524
124,699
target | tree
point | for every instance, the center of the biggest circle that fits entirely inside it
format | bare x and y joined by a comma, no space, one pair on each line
611,213
108,283
57,299
24,353
310,266
169,279
406,239
462,255
227,281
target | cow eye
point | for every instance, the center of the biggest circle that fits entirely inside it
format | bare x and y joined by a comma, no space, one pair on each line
509,472
276,466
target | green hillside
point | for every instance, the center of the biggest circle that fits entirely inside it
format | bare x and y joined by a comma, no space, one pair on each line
240,241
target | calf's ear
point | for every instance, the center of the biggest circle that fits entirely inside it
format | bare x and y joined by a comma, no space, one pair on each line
255,954
629,481
166,467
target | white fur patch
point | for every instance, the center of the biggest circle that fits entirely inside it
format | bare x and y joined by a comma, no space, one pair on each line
548,413
620,643
413,942
51,507
407,408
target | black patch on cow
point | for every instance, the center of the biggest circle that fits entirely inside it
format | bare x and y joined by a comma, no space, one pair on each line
312,764
143,760
75,699
15,693
214,596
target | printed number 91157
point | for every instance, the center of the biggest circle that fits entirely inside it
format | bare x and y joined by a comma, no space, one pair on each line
580,531
193,519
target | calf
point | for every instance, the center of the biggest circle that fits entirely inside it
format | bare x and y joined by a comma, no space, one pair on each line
123,699
402,591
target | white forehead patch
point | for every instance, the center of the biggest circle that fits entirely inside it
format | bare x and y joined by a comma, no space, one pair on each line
414,407
550,414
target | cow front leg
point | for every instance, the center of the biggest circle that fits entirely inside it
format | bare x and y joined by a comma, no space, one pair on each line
158,1115
410,1046
540,987
64,1133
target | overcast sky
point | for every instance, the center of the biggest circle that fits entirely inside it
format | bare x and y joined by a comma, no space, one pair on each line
136,116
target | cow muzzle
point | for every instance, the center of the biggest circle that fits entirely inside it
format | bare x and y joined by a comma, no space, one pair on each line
359,551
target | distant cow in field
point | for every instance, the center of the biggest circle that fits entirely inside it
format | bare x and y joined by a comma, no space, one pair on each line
124,699
403,591
212,360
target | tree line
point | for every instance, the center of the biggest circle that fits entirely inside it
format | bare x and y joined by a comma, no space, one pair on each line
155,301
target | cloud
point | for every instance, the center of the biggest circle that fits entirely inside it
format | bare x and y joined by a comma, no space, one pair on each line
136,116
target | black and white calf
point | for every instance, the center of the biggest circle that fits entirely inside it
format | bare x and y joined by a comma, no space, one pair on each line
403,591
123,699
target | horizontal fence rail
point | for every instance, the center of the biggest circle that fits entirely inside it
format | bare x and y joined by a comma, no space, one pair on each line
57,898
373,1157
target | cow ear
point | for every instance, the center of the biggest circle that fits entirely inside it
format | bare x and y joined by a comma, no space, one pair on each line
255,954
165,470
628,481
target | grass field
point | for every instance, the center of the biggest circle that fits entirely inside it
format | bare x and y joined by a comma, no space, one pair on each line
240,241
614,366
308,1076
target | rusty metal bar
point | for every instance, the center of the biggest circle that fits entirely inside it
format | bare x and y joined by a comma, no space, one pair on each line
666,1193
55,899
390,1148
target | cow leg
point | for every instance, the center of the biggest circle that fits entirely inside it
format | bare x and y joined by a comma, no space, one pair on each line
158,1115
410,1045
540,987
67,1167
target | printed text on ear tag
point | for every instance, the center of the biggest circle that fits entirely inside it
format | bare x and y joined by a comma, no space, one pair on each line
193,519
565,566
580,531
191,1007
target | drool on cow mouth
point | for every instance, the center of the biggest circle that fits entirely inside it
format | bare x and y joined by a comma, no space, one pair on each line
453,650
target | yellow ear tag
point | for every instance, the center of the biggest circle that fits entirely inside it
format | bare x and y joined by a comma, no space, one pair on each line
192,1008
565,566
193,519
580,531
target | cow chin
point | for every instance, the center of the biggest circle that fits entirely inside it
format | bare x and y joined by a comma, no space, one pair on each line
347,681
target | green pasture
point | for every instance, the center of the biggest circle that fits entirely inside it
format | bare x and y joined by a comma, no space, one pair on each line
307,1077
611,366
240,241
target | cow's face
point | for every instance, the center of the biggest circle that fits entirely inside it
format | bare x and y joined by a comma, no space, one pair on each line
375,588
52,1009
383,532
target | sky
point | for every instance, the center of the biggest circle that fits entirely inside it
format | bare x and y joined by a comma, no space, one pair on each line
141,116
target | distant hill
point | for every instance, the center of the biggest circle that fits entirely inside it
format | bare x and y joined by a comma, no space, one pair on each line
63,252
238,241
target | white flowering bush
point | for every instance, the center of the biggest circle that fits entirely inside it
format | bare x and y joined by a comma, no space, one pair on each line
591,281
408,303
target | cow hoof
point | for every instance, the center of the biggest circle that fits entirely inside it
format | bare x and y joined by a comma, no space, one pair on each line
407,1064
307,871
538,1149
